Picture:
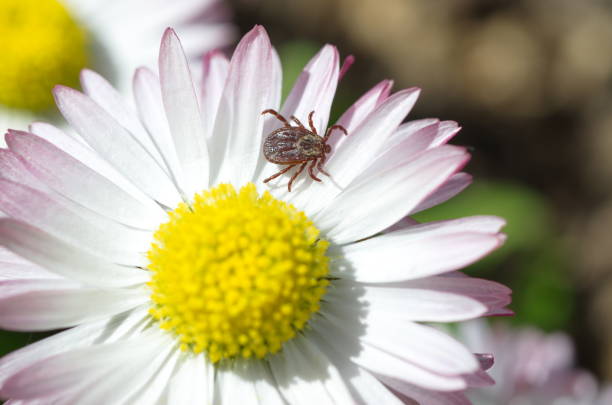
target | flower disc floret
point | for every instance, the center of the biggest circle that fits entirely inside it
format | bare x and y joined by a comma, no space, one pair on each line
236,274
42,45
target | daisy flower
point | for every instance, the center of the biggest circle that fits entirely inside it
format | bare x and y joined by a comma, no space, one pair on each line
48,42
531,368
179,277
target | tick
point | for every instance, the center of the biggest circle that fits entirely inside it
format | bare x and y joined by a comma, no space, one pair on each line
297,146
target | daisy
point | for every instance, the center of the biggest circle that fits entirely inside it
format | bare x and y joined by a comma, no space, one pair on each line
179,277
46,42
531,368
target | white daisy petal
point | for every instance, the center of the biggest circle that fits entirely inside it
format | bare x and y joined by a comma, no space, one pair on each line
105,95
193,382
361,145
359,212
448,129
409,304
214,75
105,330
432,248
424,396
456,184
20,271
247,383
366,389
79,150
64,259
67,372
149,102
12,168
305,375
183,113
248,91
315,87
128,156
85,230
381,362
53,304
79,183
362,108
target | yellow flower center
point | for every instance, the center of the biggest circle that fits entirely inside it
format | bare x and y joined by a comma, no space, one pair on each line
236,274
41,46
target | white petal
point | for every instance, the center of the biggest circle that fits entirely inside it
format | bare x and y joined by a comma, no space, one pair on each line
408,304
315,89
32,305
249,90
456,184
147,214
193,382
345,341
359,211
85,230
101,91
12,168
20,271
105,330
363,144
421,345
366,389
426,397
147,92
183,113
214,75
247,382
64,259
305,375
116,145
419,251
75,369
77,182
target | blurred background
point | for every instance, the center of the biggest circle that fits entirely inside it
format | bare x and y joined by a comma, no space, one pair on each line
530,83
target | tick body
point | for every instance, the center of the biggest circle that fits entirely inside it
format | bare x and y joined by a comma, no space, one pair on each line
297,146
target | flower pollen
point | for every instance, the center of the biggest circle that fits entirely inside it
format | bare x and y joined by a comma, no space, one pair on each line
42,45
236,274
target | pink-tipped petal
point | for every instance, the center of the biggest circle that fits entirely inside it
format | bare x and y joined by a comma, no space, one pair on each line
85,230
315,89
183,114
358,112
13,169
363,144
248,91
456,184
81,184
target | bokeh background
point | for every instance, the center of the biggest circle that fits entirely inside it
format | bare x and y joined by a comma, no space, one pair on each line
530,83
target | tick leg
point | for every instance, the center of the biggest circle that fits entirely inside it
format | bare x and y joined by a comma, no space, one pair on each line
279,173
320,167
312,127
311,171
277,115
297,173
294,118
329,131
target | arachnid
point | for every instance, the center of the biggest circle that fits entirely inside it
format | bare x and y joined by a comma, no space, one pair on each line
293,146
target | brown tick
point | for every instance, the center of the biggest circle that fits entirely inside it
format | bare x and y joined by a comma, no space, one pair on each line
293,146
